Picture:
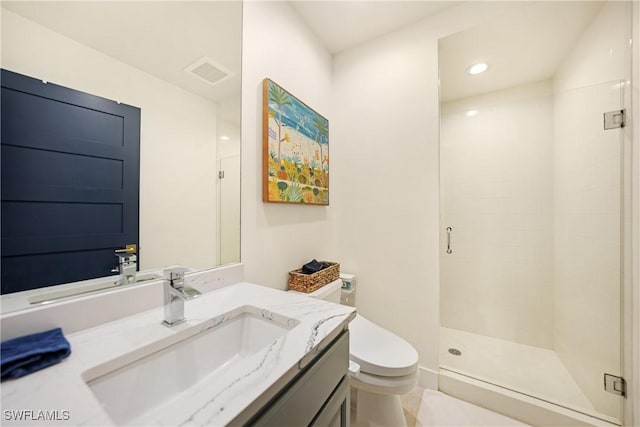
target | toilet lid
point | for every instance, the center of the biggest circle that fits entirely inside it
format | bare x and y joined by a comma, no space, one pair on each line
380,352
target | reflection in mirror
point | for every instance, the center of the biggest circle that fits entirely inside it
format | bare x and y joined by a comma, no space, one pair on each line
179,64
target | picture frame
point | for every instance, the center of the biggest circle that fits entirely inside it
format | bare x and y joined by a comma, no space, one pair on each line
295,149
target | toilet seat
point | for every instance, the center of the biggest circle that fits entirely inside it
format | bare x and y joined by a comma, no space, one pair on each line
380,352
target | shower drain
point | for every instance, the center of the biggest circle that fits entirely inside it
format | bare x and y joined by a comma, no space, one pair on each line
455,351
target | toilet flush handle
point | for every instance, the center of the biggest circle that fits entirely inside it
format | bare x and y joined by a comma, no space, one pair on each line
354,368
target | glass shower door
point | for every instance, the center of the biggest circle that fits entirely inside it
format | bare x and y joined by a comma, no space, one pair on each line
531,287
588,167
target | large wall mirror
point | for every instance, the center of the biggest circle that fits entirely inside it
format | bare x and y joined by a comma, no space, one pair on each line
180,64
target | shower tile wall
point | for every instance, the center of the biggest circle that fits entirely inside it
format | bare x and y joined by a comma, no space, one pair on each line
497,197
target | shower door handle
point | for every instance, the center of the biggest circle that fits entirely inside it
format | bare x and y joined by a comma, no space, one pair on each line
449,229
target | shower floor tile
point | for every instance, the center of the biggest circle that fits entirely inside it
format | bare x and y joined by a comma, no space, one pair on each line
531,370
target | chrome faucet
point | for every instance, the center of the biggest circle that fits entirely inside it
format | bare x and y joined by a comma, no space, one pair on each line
175,294
127,266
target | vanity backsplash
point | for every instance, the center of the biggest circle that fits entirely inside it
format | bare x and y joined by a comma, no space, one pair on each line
93,309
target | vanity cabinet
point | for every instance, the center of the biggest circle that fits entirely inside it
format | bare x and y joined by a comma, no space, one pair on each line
318,396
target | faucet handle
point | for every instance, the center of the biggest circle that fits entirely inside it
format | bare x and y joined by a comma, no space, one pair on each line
174,273
125,258
190,293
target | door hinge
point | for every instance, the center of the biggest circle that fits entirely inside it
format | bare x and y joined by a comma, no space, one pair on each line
616,385
221,174
614,119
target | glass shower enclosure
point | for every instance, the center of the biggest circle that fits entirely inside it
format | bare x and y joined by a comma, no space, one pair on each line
531,209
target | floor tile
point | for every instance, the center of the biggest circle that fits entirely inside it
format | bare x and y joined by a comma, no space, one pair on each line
440,410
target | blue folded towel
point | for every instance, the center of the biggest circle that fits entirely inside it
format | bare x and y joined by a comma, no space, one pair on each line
313,266
24,355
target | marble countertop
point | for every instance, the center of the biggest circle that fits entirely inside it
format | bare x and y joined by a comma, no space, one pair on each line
63,391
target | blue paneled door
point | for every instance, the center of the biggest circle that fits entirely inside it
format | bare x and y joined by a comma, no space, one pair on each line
70,183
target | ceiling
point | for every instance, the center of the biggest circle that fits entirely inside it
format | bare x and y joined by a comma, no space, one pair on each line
344,24
526,48
164,37
160,38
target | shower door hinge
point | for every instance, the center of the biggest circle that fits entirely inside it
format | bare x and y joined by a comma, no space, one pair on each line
614,119
615,385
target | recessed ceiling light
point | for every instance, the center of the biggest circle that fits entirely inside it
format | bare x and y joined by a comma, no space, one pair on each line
478,68
472,113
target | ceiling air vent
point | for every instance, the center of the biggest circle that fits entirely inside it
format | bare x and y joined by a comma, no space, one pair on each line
208,71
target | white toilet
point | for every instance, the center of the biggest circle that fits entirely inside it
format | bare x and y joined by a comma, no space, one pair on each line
388,366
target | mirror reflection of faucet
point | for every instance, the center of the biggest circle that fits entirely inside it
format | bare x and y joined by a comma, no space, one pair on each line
127,265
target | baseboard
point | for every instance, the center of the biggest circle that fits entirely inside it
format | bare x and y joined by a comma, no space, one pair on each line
428,378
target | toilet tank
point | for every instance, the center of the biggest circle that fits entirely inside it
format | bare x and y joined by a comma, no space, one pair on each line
330,292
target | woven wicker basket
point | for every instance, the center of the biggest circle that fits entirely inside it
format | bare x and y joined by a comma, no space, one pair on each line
301,282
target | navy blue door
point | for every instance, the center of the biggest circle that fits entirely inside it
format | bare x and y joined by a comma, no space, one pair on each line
70,183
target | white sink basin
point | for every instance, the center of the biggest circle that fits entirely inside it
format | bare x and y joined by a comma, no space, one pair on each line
134,384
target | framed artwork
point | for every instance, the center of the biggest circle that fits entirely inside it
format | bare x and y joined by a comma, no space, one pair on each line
295,149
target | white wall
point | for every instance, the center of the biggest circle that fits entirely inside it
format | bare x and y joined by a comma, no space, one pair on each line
587,205
177,142
496,184
277,238
229,192
228,147
385,104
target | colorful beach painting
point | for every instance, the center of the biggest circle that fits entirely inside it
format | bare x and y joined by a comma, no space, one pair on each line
295,145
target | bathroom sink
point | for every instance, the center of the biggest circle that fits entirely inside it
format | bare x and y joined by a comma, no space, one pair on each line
132,386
